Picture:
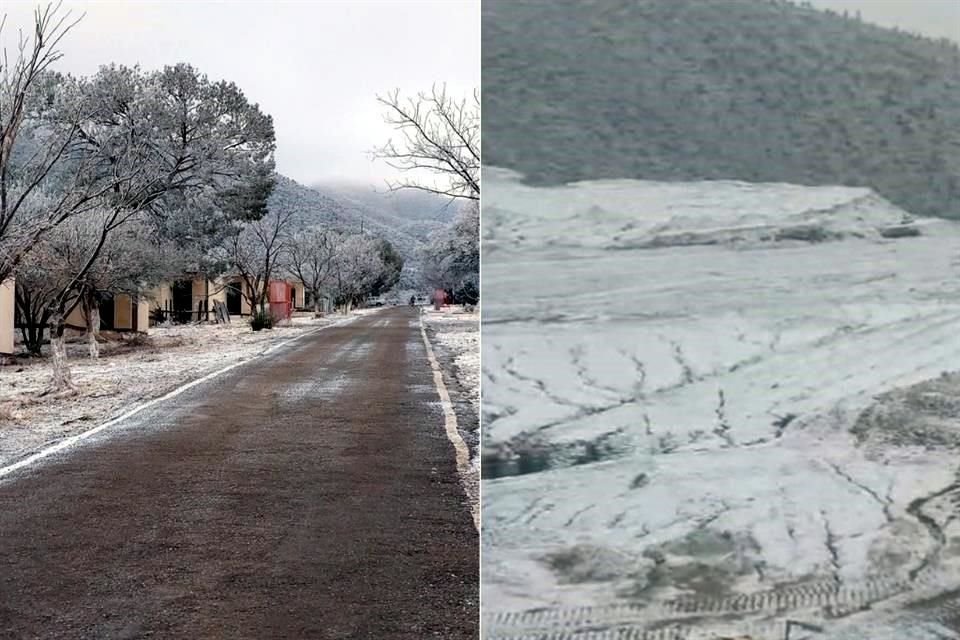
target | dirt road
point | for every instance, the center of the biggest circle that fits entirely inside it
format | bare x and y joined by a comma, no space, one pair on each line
310,494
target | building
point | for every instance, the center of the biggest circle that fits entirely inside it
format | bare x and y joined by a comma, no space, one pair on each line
193,299
7,316
324,305
117,313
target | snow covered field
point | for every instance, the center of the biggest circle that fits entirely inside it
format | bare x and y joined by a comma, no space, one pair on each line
714,407
126,374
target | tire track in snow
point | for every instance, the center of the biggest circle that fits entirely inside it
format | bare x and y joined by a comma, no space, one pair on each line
684,616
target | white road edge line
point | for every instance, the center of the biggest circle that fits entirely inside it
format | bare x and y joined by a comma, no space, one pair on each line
74,439
450,419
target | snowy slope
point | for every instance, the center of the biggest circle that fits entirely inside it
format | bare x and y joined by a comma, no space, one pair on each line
632,213
671,420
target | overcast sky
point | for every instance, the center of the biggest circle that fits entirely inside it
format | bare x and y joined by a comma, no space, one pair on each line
316,67
937,18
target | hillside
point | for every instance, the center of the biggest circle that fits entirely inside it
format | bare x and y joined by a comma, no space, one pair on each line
331,208
748,90
418,212
637,214
315,206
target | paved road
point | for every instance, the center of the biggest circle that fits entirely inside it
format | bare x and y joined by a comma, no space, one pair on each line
312,494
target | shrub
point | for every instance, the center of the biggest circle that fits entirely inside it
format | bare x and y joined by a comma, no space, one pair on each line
261,319
157,316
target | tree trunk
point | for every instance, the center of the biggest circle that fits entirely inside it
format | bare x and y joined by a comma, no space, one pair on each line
93,331
60,379
316,305
35,344
32,336
91,311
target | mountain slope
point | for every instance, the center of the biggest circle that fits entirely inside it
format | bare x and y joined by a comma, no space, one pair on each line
316,207
744,89
406,207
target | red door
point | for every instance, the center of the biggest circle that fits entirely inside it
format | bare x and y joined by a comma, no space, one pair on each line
280,304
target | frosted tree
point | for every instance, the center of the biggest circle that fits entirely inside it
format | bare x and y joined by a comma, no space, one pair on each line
131,147
438,143
40,116
150,142
357,266
310,257
129,262
451,257
255,252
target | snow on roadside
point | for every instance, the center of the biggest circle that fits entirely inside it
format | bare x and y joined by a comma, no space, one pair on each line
458,332
130,370
455,335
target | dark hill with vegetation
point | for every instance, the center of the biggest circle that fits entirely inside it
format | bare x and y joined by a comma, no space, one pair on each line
407,227
416,213
315,206
756,90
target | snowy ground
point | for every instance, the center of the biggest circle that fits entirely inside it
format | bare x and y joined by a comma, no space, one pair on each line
713,407
455,336
458,332
127,373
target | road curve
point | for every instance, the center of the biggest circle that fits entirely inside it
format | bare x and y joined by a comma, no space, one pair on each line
310,494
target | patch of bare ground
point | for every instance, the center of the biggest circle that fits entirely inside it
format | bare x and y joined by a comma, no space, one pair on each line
924,414
131,369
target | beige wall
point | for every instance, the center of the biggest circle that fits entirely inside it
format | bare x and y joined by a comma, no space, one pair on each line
124,311
300,297
244,303
6,316
162,296
143,316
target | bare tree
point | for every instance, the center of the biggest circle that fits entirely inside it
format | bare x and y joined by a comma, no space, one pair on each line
129,262
255,253
311,256
39,116
438,135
